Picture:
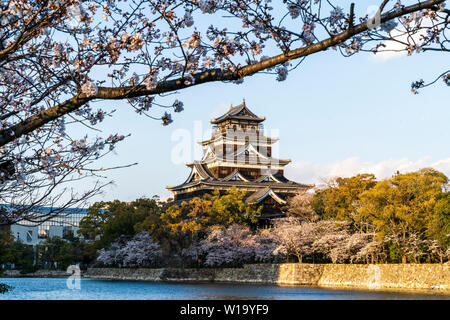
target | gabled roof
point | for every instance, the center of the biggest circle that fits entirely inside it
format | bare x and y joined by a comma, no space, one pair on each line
247,154
240,112
208,153
249,148
198,172
263,194
201,171
213,183
272,178
235,175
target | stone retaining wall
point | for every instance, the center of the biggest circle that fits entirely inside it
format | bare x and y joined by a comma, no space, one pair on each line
374,276
37,274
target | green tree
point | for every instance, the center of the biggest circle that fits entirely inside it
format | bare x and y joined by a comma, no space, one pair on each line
339,201
179,225
24,257
439,227
6,243
17,253
400,210
213,209
232,208
97,216
105,222
63,252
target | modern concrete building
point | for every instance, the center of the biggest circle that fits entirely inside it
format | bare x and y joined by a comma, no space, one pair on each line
64,225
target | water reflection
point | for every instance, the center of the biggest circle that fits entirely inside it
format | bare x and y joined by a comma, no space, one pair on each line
56,289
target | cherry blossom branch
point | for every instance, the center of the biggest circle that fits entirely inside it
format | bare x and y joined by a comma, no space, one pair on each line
104,93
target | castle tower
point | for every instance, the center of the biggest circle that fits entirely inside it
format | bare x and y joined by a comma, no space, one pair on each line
240,155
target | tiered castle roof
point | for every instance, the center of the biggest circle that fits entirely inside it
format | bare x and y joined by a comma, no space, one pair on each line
240,112
238,154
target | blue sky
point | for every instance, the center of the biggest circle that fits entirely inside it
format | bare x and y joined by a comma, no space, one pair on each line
334,115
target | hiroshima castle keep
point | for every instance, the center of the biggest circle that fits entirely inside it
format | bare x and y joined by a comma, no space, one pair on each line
238,154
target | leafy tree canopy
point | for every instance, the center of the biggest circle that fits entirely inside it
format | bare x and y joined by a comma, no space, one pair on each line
214,209
107,221
338,200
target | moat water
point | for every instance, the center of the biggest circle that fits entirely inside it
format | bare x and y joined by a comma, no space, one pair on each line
91,289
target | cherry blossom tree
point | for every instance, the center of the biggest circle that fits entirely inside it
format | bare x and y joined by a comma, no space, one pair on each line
110,256
60,58
372,252
331,239
300,207
327,239
140,251
265,247
363,247
436,252
233,246
294,238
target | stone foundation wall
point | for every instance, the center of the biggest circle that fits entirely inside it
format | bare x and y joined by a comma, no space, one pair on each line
37,274
374,276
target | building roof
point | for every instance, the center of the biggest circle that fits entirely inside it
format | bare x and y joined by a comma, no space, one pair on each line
257,196
235,175
201,177
276,177
201,170
242,149
245,155
240,112
237,136
262,194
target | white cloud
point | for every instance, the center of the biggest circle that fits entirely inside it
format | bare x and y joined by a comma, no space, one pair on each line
307,172
393,49
219,110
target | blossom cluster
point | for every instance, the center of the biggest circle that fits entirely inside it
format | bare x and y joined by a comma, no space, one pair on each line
140,251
